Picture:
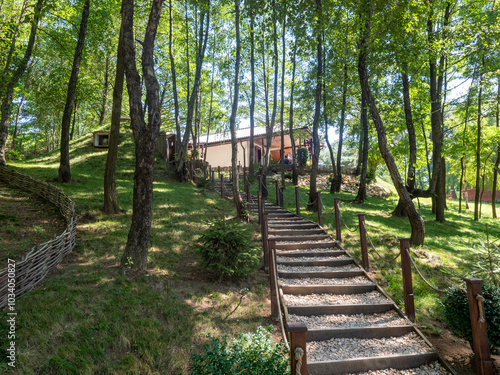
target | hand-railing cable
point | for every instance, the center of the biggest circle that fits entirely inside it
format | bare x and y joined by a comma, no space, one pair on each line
420,274
345,225
280,315
376,252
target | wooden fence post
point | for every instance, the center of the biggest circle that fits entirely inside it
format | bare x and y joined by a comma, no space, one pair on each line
404,247
280,192
364,244
213,180
338,228
247,191
297,346
272,279
265,247
297,201
484,365
222,186
277,193
320,210
260,184
259,206
218,169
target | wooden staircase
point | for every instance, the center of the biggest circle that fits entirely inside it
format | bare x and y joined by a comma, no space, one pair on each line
353,325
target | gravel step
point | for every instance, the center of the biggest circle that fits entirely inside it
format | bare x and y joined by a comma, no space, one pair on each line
316,269
311,253
434,368
321,299
388,318
314,258
294,225
354,271
351,309
296,232
325,334
359,280
342,289
288,219
306,245
334,262
299,238
349,348
279,215
382,362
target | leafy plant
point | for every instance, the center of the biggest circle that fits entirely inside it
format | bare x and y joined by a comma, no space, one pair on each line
227,250
302,156
456,313
204,183
250,353
486,259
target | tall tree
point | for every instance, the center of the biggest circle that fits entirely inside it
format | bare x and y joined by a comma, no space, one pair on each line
232,120
312,204
145,133
111,205
497,162
252,99
282,109
337,181
174,79
361,196
11,76
295,177
478,143
416,221
64,164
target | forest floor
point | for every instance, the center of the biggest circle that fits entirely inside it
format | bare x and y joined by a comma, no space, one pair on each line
87,317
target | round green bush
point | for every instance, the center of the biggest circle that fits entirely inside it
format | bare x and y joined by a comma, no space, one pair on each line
226,249
250,354
302,156
456,313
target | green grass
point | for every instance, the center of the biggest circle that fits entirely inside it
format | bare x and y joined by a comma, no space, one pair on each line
448,255
87,318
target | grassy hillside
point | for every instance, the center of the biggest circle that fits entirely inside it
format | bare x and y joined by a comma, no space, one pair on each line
86,318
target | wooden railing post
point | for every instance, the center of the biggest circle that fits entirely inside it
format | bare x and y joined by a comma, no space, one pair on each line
404,247
280,192
298,347
259,206
247,190
222,186
338,228
297,201
482,357
265,247
364,244
218,169
260,185
277,193
272,279
320,210
213,180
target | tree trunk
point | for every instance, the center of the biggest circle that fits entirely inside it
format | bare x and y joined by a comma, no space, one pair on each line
327,140
8,85
174,81
252,100
295,177
102,112
478,144
240,211
145,135
361,197
497,162
211,102
64,167
74,120
312,204
282,110
18,113
200,54
412,140
111,205
416,221
463,159
337,181
269,131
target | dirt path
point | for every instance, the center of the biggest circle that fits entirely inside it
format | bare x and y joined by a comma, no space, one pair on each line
25,220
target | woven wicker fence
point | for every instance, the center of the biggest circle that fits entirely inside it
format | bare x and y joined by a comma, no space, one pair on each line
42,258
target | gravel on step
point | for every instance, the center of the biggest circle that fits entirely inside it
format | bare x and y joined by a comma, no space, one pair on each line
390,318
347,267
327,281
433,368
318,250
347,348
335,299
309,259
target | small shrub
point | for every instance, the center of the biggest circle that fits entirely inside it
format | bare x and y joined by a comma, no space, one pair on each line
288,175
251,353
204,183
302,156
227,250
456,313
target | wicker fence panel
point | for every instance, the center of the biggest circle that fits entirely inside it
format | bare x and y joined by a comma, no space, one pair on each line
44,257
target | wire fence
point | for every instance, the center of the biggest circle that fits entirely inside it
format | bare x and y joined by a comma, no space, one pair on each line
42,258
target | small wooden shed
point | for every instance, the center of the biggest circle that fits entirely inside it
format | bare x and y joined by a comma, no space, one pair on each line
101,139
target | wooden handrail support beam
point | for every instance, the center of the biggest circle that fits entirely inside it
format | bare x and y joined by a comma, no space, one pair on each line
482,357
364,244
320,210
404,247
213,180
276,183
338,228
272,280
297,340
259,206
280,192
297,201
221,186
